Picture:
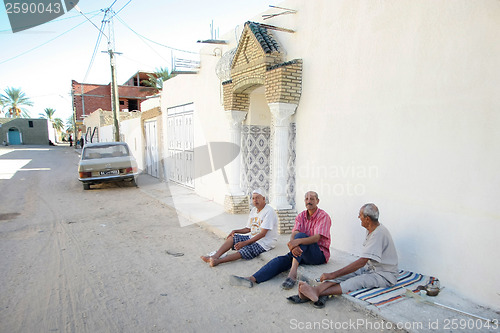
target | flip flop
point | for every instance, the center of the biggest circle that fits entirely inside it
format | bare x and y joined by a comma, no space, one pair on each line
288,283
239,281
297,300
320,303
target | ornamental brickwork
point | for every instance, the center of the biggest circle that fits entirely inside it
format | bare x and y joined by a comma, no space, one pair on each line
259,62
256,62
284,82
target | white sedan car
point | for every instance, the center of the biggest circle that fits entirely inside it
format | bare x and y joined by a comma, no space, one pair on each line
106,162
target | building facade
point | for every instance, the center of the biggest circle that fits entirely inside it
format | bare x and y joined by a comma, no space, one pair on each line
392,102
90,97
24,131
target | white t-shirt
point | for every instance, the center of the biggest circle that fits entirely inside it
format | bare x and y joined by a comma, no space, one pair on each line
265,219
379,248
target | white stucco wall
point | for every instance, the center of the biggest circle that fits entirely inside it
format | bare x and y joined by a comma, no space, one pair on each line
51,132
131,131
106,134
210,123
151,103
399,107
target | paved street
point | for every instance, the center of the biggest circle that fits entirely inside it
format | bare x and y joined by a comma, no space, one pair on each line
111,259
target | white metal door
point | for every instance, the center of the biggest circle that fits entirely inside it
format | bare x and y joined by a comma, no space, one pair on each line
181,145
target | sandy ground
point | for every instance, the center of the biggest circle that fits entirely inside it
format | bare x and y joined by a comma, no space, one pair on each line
113,260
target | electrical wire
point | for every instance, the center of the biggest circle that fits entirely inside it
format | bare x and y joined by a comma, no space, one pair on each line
56,20
152,41
43,44
120,9
112,4
101,33
122,22
98,42
99,37
80,11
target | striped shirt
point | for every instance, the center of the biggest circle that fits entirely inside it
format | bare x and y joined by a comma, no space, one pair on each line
319,224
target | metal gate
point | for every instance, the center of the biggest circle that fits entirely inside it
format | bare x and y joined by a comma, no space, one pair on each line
151,148
180,134
14,136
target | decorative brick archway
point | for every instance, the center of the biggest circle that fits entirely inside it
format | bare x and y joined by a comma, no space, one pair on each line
258,61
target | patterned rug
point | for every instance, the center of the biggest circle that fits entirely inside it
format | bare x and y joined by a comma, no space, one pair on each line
383,296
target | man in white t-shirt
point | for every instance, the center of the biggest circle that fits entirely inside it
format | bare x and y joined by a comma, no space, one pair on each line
377,266
262,228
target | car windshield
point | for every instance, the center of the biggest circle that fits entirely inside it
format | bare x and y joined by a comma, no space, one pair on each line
105,151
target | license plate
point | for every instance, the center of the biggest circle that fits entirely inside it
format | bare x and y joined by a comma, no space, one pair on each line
110,172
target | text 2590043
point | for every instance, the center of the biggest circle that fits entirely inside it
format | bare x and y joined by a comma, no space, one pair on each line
33,8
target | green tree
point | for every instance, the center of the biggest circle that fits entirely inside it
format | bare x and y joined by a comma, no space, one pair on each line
57,123
156,79
13,102
48,113
69,124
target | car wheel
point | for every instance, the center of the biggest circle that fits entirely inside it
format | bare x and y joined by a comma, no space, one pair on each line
86,186
133,182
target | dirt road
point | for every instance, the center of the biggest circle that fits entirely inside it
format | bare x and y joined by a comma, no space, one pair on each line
114,260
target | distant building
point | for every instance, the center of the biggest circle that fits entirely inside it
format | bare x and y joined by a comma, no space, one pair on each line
88,97
24,131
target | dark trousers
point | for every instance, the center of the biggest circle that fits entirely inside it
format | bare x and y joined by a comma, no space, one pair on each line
311,255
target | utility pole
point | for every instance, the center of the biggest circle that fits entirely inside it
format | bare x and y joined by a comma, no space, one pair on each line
115,104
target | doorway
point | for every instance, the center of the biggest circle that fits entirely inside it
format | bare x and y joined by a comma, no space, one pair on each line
180,134
14,136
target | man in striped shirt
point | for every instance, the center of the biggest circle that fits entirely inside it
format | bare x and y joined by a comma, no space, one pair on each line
309,244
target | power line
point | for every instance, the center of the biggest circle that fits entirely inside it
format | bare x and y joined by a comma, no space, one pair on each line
43,44
121,8
119,19
56,20
99,37
98,42
152,41
80,11
112,4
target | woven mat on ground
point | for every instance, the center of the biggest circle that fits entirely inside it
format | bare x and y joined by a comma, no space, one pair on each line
384,296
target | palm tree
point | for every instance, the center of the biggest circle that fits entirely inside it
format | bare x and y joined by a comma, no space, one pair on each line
57,123
48,113
69,124
156,79
13,101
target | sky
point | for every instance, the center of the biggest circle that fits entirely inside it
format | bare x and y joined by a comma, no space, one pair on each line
43,60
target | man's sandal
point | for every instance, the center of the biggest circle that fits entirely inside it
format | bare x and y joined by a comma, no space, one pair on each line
289,283
320,303
297,300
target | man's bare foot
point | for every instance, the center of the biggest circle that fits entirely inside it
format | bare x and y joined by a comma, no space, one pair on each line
306,291
213,262
206,259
